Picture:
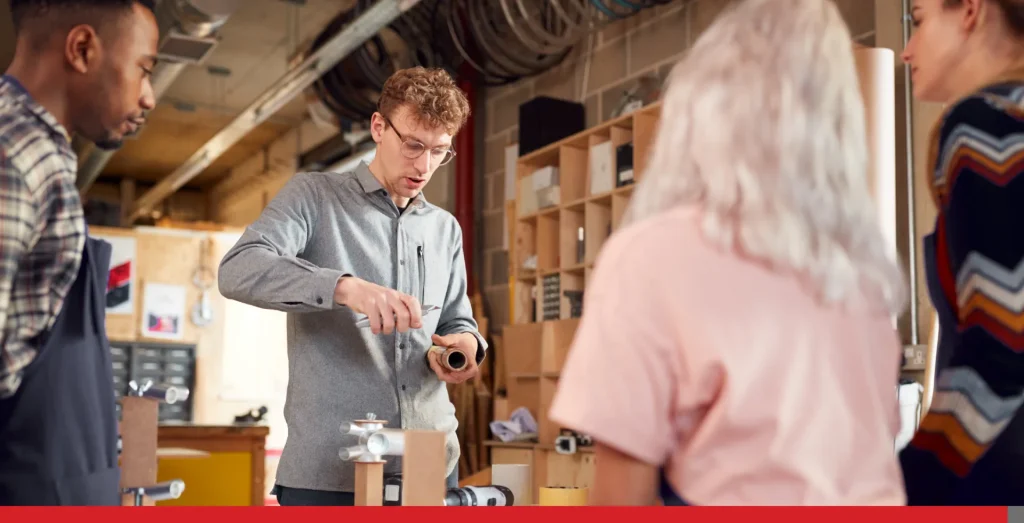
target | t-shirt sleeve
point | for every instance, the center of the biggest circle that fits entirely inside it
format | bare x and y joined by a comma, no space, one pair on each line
619,380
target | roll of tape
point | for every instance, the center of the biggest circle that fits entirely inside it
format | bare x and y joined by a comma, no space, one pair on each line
563,496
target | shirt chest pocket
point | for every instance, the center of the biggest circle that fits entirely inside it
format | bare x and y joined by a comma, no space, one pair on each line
433,270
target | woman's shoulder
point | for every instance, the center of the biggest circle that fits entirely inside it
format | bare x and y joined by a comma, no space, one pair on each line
995,110
983,130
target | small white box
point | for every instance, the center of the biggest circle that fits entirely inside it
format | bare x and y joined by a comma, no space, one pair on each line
549,197
602,168
515,477
545,177
527,201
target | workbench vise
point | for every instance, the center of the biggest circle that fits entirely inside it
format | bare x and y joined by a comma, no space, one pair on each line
159,492
423,462
169,394
140,417
374,440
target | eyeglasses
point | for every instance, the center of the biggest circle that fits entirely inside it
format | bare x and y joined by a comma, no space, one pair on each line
413,149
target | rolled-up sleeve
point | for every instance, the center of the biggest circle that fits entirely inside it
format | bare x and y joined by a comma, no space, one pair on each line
457,311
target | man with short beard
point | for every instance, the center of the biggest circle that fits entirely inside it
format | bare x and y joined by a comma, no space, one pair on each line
82,67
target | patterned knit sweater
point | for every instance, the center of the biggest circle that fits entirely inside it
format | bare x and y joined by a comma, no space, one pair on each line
963,452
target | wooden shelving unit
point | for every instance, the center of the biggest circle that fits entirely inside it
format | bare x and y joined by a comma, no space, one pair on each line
546,238
537,344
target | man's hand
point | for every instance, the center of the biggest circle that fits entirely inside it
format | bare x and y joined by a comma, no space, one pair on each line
386,308
463,341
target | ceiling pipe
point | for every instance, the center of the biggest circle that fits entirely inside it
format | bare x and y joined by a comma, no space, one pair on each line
185,30
284,90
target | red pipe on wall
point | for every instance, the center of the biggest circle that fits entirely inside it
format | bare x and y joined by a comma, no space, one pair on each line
465,147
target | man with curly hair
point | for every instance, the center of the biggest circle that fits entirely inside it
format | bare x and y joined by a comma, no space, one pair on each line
371,275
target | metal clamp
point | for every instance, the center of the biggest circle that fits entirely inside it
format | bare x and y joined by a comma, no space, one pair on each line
374,440
159,492
169,394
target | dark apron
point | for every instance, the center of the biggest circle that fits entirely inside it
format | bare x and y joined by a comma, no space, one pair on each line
668,495
998,477
58,433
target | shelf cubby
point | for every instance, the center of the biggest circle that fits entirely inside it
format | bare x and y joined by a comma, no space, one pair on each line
620,200
572,172
570,280
525,243
571,226
547,240
588,197
598,226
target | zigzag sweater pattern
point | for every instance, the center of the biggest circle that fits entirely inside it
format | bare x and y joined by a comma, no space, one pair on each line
977,160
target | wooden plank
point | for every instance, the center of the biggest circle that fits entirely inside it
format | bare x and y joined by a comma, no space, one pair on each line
424,469
139,443
518,456
259,473
369,484
570,470
480,479
180,453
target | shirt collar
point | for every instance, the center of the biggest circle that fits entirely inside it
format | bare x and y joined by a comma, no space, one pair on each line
370,185
10,86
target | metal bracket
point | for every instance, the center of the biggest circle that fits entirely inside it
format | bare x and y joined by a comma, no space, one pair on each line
169,394
374,440
159,492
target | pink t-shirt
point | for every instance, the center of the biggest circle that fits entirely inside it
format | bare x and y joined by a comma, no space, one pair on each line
731,376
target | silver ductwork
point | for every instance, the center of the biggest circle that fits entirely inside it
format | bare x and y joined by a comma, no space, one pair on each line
187,29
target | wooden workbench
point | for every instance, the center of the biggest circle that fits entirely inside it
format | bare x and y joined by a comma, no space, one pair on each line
234,472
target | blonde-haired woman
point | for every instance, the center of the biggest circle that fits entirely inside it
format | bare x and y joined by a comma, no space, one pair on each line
736,345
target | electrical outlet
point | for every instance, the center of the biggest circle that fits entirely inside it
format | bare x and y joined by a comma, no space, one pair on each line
915,356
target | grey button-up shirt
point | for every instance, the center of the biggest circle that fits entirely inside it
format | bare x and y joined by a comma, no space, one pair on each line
319,227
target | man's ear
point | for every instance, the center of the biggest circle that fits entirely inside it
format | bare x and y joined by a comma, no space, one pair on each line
377,127
82,48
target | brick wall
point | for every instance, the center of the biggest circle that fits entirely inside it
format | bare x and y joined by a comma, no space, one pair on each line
648,43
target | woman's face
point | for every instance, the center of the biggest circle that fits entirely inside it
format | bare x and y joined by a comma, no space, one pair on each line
936,49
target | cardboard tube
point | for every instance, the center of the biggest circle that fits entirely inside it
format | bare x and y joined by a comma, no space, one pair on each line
451,358
563,496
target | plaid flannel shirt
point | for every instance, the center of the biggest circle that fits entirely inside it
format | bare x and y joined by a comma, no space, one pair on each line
42,227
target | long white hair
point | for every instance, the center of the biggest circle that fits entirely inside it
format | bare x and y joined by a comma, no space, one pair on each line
763,128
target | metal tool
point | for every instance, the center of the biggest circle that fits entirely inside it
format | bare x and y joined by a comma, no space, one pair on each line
375,441
169,394
488,496
365,322
159,492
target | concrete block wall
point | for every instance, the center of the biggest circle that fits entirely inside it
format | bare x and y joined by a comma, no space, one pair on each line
649,43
